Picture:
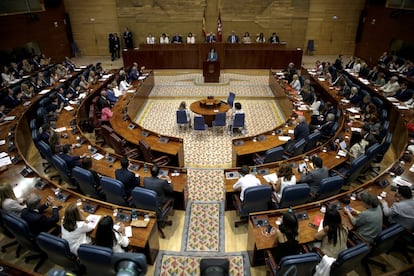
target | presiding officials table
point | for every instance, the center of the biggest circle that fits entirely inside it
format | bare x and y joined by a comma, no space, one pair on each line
209,108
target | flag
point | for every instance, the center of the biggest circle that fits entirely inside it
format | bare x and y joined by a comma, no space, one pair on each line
219,28
203,26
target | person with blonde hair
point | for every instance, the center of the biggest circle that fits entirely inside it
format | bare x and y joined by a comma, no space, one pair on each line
9,202
75,228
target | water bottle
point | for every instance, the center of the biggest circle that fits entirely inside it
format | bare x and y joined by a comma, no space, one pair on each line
254,170
134,215
145,167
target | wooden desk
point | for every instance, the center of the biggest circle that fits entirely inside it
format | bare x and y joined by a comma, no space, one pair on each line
232,56
209,108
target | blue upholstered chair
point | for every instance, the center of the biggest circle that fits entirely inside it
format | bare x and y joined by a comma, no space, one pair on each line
25,239
256,199
64,173
102,261
311,141
6,233
330,186
382,244
147,199
46,153
182,120
294,195
296,149
238,123
352,172
271,155
301,264
219,121
58,251
349,259
86,182
199,124
114,191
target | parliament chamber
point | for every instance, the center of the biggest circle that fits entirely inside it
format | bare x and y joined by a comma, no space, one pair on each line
79,125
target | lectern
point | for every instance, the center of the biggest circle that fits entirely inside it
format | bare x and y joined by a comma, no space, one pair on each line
211,71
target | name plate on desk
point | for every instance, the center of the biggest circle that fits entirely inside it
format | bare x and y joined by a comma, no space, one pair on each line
260,222
232,175
238,143
164,140
90,207
123,216
302,215
144,133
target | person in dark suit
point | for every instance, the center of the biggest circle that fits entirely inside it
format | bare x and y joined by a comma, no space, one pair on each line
34,216
12,100
159,184
314,178
128,39
301,129
233,38
128,178
177,39
210,38
112,49
404,93
117,45
133,74
103,100
71,160
274,39
212,55
368,136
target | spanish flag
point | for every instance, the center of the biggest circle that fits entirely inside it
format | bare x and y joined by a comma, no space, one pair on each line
203,26
219,28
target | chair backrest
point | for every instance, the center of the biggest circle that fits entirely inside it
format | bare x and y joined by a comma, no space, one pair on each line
58,251
298,147
373,151
33,124
214,267
106,132
145,199
86,181
311,141
199,123
102,261
114,191
303,263
145,149
293,195
385,240
181,117
330,186
385,146
230,99
384,128
256,199
357,165
117,143
349,259
238,120
220,119
378,102
63,170
45,151
273,155
21,231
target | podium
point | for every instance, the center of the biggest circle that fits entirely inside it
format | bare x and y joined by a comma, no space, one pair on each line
211,71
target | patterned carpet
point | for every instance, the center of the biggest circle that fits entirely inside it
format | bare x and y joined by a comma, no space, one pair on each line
188,264
204,227
200,180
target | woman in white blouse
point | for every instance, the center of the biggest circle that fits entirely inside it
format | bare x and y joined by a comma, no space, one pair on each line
107,236
150,39
75,228
9,202
164,39
295,84
285,178
190,38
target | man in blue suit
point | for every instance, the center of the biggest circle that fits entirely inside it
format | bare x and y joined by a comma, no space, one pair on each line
128,178
233,38
71,160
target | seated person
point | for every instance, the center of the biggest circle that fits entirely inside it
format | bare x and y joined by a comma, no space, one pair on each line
333,235
285,178
150,39
75,228
237,110
110,94
354,96
404,93
71,160
358,148
369,222
183,106
247,180
210,38
190,38
233,38
274,39
295,83
133,74
402,210
326,127
212,55
380,81
159,184
164,39
391,87
307,92
301,130
314,177
103,100
33,214
107,236
261,38
177,39
87,165
246,38
287,236
9,202
128,178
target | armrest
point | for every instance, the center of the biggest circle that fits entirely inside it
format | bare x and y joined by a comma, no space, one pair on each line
256,155
318,251
237,203
338,173
305,248
162,160
168,204
270,262
354,237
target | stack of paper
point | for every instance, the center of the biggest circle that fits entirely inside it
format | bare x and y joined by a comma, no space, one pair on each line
270,178
93,220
